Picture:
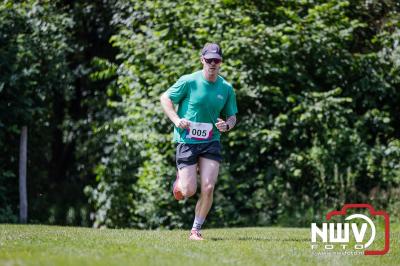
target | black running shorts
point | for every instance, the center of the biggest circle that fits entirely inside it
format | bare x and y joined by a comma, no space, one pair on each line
188,154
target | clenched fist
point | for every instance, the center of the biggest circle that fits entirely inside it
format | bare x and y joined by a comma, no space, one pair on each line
221,125
182,123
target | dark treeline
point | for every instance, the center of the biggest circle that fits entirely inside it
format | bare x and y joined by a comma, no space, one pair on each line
317,84
47,52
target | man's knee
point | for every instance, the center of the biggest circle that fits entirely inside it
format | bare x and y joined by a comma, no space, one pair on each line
207,190
188,190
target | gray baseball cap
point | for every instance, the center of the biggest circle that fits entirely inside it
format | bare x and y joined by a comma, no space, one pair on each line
211,50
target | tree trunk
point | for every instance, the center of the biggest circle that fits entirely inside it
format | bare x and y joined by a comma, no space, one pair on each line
23,199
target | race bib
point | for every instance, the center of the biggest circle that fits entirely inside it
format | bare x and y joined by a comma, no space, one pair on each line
199,131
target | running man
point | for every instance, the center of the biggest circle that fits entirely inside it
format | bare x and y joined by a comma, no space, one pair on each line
205,99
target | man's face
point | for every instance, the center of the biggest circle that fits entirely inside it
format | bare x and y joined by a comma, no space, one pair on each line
211,66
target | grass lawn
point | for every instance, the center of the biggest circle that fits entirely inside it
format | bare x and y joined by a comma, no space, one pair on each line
50,245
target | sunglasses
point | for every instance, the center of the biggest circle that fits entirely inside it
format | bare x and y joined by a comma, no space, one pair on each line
215,60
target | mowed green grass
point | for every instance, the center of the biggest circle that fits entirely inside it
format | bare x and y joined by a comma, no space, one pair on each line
51,245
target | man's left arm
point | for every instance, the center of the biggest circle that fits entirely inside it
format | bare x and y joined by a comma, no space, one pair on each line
227,125
230,122
229,110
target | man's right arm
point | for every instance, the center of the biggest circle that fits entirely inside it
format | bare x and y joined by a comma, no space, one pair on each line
169,110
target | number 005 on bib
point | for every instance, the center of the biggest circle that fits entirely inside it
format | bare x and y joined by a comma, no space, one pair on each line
199,131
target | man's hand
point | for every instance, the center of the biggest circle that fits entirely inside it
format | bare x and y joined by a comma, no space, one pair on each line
221,125
182,123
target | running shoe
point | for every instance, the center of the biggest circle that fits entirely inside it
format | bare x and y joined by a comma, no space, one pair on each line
195,235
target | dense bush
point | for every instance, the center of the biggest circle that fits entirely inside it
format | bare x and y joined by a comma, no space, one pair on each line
316,88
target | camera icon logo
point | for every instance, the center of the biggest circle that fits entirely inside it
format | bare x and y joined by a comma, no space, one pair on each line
336,236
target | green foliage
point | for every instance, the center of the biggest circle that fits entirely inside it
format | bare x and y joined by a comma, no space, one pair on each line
317,126
46,52
317,88
33,51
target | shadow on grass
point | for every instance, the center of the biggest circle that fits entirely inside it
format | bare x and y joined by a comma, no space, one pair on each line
259,239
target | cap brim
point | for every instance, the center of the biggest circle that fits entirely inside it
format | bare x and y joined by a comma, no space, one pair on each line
212,55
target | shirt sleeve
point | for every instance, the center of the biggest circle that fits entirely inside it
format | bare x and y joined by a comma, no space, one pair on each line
230,107
178,91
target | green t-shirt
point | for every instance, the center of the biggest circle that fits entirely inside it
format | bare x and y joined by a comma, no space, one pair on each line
202,103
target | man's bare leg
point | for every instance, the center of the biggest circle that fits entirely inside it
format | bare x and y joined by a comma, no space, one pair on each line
209,170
